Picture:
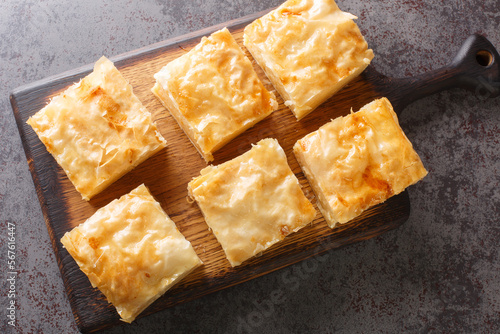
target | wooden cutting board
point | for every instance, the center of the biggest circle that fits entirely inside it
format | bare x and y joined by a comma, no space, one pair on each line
168,172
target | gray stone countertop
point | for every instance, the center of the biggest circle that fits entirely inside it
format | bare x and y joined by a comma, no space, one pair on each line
439,272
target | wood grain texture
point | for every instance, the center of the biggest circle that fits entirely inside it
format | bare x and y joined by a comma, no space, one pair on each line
167,174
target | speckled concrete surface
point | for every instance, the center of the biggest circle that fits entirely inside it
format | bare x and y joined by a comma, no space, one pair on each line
439,272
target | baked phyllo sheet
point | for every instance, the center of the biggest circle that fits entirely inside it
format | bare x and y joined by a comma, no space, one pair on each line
213,92
251,202
357,161
97,129
131,251
309,49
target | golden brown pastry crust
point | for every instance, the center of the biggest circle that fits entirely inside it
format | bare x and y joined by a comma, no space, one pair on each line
252,201
131,251
309,49
97,129
357,161
213,92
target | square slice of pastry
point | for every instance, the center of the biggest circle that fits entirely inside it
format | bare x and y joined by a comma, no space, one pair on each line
213,92
97,129
357,161
251,202
309,49
131,251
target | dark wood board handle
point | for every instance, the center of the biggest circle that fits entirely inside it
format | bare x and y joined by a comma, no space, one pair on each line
476,67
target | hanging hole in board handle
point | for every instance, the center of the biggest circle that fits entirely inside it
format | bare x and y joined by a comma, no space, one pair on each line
484,58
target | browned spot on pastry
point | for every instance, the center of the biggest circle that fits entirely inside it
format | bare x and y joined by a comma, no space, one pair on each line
381,189
94,243
341,72
287,12
342,200
131,154
304,144
48,143
288,79
112,109
381,186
